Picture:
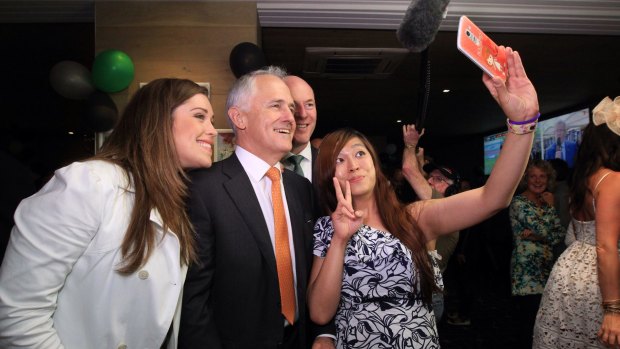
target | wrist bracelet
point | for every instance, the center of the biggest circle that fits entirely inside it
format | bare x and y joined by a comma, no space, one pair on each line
611,306
521,129
524,122
410,146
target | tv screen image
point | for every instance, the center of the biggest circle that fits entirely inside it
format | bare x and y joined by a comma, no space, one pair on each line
556,137
492,146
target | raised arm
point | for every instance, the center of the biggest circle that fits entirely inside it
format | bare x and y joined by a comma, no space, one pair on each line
411,164
607,236
517,98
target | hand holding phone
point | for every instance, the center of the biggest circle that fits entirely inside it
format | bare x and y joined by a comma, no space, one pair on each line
476,45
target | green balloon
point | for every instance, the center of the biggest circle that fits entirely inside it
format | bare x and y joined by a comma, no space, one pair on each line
113,71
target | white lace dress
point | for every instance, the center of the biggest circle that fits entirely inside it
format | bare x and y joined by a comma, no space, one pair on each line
570,312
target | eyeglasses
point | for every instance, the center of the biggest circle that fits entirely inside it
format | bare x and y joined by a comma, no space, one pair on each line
437,179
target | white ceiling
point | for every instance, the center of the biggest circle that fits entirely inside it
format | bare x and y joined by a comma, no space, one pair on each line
601,17
595,17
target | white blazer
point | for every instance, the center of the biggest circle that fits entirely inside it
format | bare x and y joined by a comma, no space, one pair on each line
58,283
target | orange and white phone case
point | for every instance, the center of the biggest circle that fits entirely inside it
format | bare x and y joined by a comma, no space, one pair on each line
476,45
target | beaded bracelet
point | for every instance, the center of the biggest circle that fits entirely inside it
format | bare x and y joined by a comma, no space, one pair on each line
522,127
611,306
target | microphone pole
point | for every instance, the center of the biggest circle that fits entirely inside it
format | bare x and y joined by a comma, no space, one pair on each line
424,90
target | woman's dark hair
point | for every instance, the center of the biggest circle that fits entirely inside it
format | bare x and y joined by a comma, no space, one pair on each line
600,147
395,215
142,144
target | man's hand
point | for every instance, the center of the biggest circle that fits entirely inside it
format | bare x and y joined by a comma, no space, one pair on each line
411,136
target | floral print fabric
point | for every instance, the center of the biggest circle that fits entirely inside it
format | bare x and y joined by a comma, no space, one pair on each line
532,261
380,304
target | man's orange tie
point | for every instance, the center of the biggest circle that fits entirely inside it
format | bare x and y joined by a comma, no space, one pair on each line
283,252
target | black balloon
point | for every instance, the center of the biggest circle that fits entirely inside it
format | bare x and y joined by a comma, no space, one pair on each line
101,113
246,57
71,80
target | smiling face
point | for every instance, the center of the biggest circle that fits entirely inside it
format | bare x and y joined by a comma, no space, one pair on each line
305,111
193,132
537,180
354,164
439,182
266,127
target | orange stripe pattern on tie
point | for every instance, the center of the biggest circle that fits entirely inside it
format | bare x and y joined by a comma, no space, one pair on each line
283,252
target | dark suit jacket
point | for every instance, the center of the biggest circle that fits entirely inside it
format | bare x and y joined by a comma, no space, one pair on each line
315,153
232,300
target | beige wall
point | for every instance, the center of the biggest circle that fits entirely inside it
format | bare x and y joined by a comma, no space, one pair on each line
189,40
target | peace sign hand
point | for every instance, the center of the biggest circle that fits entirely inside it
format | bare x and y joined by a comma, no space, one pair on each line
345,219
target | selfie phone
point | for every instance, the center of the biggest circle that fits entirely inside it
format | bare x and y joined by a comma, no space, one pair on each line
476,45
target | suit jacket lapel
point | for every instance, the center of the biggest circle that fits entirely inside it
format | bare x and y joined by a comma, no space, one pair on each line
242,195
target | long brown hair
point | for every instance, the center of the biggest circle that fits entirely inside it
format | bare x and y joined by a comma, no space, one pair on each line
600,147
395,215
142,144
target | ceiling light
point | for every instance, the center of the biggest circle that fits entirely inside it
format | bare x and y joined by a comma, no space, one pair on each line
446,91
399,121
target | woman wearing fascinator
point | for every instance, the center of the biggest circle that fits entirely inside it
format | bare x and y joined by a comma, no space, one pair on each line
580,307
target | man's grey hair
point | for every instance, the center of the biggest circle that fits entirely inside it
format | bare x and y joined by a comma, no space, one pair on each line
243,88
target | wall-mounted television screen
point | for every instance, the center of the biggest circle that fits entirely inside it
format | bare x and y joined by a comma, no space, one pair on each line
557,137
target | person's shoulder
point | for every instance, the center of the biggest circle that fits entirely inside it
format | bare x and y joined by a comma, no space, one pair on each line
609,181
606,193
323,223
207,173
296,179
92,179
99,170
518,199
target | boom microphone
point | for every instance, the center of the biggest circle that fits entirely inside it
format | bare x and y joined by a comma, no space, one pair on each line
421,23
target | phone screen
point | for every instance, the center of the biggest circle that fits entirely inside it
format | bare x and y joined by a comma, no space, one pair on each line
476,45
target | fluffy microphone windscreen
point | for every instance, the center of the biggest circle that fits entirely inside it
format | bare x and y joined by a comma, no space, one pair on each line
421,23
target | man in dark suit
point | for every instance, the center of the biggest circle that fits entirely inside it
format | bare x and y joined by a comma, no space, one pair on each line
301,157
232,299
562,148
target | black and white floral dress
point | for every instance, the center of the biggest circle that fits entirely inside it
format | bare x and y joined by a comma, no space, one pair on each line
380,304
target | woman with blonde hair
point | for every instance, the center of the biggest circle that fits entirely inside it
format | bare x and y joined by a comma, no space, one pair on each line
98,257
536,229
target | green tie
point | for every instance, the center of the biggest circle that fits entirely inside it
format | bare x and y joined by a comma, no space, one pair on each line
295,160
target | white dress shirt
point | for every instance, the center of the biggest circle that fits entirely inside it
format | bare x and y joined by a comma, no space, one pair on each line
256,169
305,164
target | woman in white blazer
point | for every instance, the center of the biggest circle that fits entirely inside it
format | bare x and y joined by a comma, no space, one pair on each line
98,257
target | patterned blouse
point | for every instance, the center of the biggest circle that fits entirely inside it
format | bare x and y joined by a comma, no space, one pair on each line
532,261
380,305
